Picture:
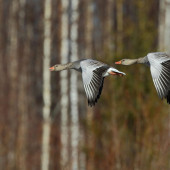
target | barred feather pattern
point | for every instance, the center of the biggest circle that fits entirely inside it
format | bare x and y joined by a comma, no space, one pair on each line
160,71
94,88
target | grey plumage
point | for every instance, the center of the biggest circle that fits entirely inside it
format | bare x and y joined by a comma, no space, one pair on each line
93,74
159,63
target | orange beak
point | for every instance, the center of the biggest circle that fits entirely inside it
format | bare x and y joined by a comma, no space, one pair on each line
118,62
51,68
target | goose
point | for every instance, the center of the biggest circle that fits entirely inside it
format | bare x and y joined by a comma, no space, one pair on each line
159,63
93,74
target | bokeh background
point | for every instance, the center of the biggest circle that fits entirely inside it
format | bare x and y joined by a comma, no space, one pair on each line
45,122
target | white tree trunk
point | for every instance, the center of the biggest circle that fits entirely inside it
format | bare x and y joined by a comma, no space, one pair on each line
164,33
74,87
88,53
64,84
164,25
46,86
161,25
167,25
167,41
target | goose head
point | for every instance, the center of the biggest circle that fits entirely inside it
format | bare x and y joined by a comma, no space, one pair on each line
56,67
126,61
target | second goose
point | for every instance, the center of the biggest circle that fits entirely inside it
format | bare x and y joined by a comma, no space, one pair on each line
159,63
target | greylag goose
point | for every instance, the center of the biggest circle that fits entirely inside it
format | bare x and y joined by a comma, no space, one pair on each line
159,63
93,74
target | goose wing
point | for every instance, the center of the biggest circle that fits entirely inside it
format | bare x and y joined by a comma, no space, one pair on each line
92,75
160,71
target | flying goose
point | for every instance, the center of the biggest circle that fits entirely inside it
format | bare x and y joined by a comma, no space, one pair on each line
93,74
159,63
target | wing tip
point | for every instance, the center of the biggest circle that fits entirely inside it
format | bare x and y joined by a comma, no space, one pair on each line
168,97
91,103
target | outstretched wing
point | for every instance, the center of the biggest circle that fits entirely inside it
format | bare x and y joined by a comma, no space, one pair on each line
160,71
92,75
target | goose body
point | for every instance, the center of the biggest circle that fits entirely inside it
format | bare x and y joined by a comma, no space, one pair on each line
159,63
93,74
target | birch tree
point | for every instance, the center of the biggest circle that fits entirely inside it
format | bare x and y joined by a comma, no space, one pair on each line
164,44
161,24
167,25
167,41
74,86
64,84
85,27
46,86
164,25
89,164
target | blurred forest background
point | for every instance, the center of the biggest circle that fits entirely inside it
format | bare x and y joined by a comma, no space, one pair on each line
45,122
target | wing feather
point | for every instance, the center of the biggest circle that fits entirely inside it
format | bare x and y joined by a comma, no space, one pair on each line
92,75
160,71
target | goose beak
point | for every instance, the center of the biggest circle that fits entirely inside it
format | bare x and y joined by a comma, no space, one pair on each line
118,62
51,68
